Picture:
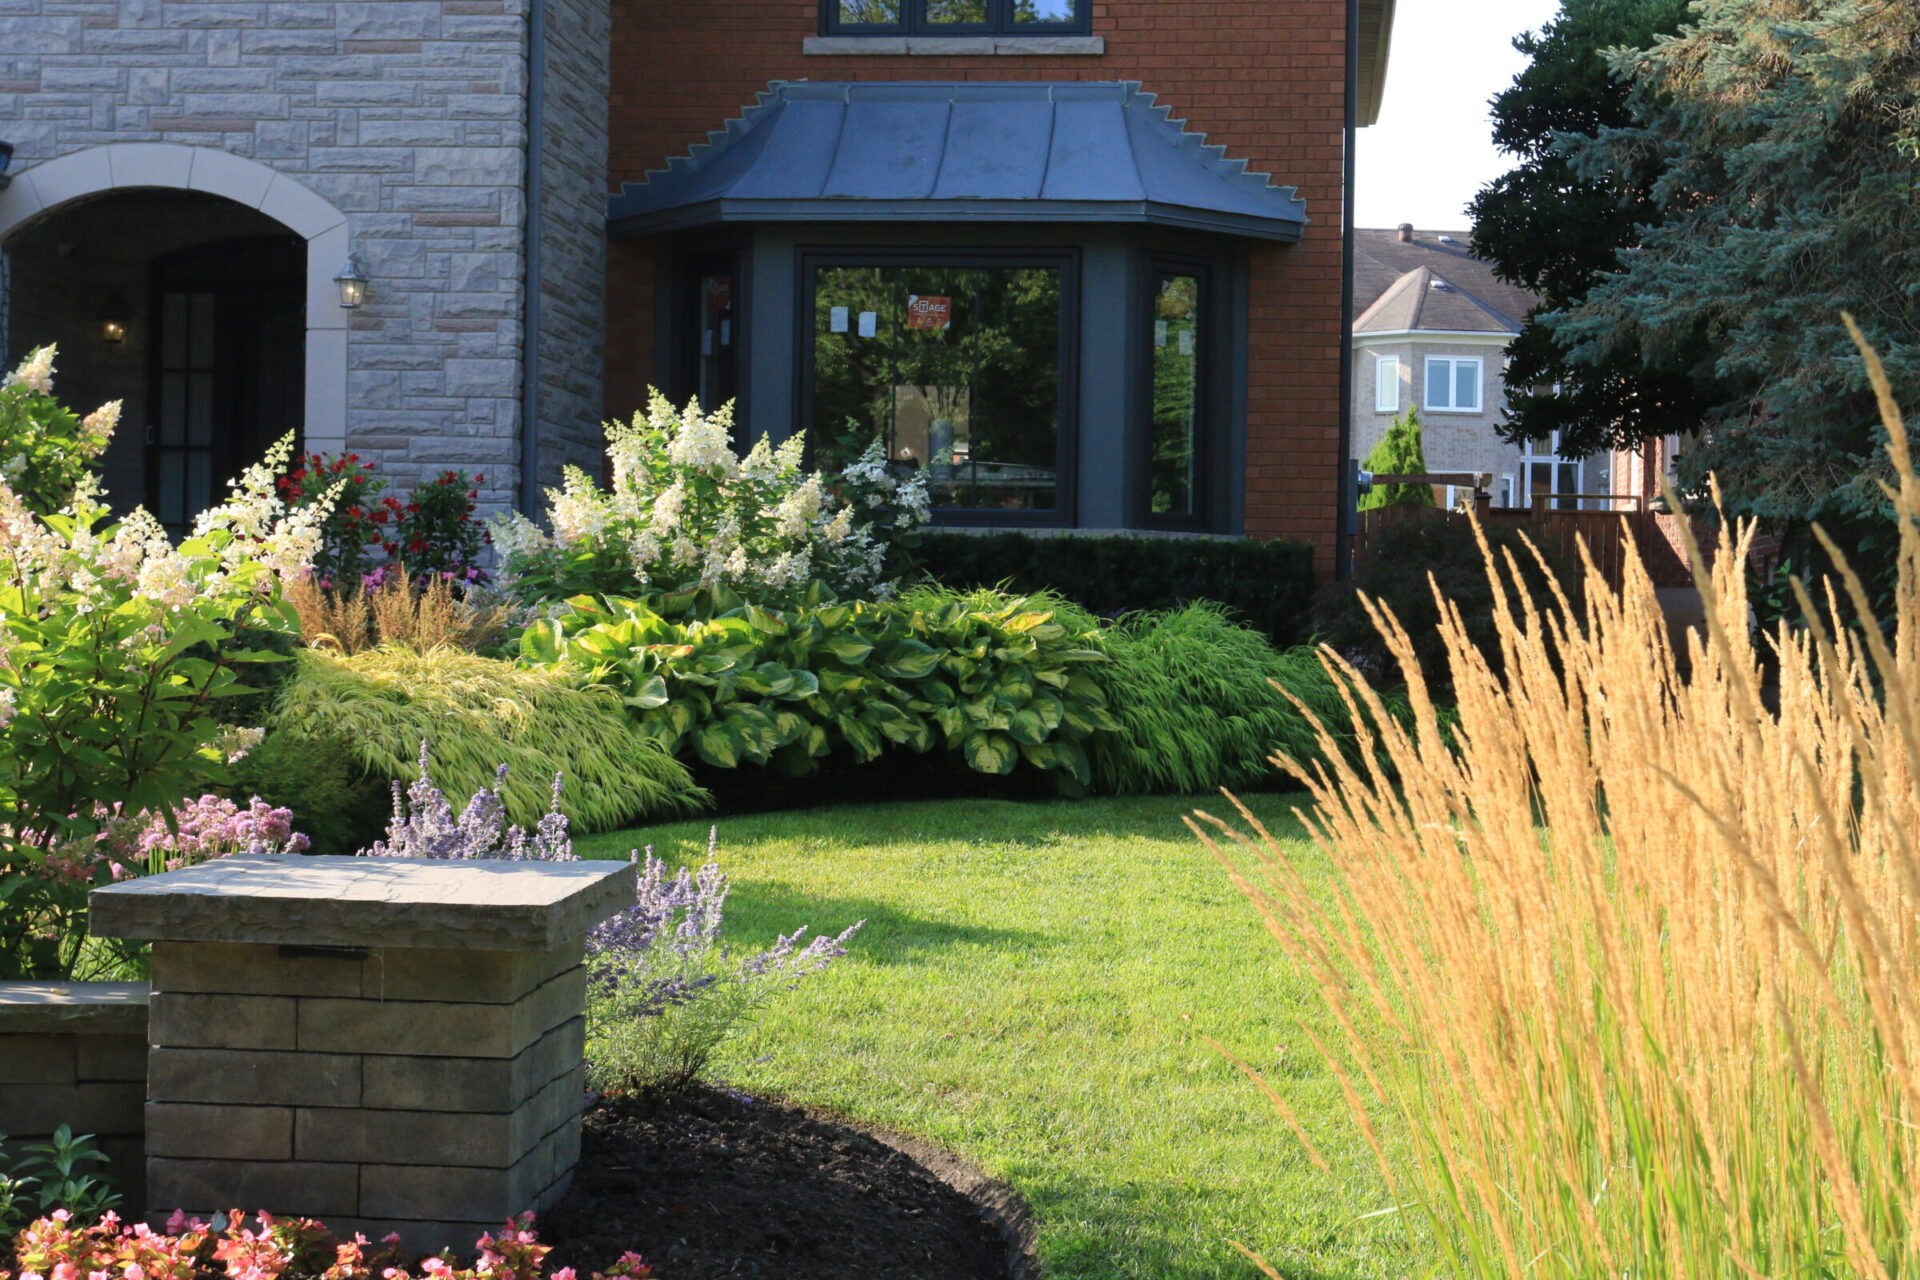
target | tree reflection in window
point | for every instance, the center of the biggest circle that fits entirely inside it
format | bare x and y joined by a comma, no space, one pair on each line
1176,396
958,368
869,12
950,12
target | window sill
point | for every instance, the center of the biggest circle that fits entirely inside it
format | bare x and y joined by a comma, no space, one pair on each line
954,46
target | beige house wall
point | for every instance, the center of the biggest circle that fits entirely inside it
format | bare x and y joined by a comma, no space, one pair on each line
1453,441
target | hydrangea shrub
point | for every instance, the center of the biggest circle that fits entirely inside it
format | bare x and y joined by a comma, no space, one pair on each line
118,650
686,512
46,448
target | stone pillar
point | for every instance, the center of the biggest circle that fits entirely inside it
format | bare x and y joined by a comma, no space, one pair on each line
75,1053
383,1044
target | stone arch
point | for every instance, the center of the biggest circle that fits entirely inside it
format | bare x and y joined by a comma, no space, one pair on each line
44,188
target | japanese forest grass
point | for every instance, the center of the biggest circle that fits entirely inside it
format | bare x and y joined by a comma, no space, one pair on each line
1633,960
477,713
1200,704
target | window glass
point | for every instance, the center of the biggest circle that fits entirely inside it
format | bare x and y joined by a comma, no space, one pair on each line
1044,11
1466,384
1439,384
1386,390
950,12
716,299
1177,358
956,367
869,12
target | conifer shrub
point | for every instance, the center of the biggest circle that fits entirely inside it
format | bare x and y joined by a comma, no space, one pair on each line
479,713
1401,452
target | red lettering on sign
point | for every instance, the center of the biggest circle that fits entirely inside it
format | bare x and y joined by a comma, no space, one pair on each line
925,311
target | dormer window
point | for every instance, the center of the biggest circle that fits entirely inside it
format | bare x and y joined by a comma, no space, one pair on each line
955,17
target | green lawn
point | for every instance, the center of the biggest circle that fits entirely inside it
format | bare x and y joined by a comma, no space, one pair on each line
1030,990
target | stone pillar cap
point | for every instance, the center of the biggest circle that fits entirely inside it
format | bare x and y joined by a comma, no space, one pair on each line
93,1008
302,900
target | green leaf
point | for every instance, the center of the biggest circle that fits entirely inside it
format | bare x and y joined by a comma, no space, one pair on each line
989,752
849,649
909,660
648,693
716,746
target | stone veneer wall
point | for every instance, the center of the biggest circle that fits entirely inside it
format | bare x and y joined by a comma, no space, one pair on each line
573,235
75,1053
408,115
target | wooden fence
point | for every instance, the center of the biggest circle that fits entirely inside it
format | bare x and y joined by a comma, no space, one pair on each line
1611,537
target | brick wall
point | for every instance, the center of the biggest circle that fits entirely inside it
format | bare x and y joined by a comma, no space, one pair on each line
1267,80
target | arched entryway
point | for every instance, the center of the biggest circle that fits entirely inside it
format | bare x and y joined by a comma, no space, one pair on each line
197,287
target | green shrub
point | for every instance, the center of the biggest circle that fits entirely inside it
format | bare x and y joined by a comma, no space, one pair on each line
998,679
1194,694
1399,453
1404,565
479,713
338,804
1267,585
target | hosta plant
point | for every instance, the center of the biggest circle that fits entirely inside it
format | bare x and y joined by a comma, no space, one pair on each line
996,679
686,512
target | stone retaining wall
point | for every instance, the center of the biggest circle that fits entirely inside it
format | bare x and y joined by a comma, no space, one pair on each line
75,1053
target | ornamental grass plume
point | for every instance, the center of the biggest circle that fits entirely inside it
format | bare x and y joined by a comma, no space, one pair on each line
1626,966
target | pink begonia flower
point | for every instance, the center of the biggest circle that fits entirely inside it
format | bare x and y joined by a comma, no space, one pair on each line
61,1215
135,1271
392,1237
564,1273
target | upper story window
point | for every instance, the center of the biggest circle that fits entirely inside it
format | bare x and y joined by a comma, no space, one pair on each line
955,17
1386,385
1453,384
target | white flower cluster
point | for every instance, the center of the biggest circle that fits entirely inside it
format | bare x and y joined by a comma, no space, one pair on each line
240,548
35,373
685,511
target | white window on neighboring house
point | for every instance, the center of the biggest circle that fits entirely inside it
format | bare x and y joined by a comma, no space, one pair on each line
1503,493
1386,385
1543,472
1453,384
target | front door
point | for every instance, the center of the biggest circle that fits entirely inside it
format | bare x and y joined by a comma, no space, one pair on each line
228,376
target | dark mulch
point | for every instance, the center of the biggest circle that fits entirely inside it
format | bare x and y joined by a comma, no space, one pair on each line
715,1184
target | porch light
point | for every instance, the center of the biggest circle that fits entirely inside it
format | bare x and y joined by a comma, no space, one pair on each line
353,284
113,320
6,158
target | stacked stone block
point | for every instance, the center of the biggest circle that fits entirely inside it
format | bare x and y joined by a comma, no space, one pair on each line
75,1053
429,1084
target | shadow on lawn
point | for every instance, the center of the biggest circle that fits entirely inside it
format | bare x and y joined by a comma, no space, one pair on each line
757,913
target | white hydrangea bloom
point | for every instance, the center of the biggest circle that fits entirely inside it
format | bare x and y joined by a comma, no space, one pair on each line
35,372
9,707
99,426
798,509
665,514
515,535
578,511
704,441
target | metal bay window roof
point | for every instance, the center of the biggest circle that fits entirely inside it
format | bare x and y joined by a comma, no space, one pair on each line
812,151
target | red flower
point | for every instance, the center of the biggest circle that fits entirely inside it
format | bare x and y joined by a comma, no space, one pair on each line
479,479
413,508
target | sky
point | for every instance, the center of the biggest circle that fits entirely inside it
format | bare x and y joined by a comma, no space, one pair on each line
1433,149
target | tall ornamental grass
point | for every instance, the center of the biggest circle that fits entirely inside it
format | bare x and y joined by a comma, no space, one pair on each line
1627,976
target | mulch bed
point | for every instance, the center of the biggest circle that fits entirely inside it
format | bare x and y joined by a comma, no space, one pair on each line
713,1183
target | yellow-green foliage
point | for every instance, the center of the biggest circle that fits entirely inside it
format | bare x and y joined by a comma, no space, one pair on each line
1631,964
1194,692
480,713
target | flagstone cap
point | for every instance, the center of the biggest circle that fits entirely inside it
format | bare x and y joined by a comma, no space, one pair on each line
73,1008
304,900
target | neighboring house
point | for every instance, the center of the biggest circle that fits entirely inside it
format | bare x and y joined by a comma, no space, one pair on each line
1430,332
1080,262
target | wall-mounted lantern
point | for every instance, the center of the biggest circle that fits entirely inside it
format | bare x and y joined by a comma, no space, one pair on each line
113,320
6,158
353,284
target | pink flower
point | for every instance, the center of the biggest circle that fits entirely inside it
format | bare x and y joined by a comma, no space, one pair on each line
135,1271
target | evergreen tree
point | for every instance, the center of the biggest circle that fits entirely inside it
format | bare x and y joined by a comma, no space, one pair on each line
1399,453
1777,144
1556,232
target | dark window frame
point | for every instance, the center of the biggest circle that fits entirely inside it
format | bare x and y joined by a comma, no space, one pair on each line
688,270
1215,390
913,22
1067,259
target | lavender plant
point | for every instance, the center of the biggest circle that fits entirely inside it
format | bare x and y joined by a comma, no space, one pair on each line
665,991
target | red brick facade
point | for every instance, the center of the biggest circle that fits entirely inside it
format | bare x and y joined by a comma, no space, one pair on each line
1266,79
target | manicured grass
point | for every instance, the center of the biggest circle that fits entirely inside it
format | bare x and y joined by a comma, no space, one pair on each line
1030,989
